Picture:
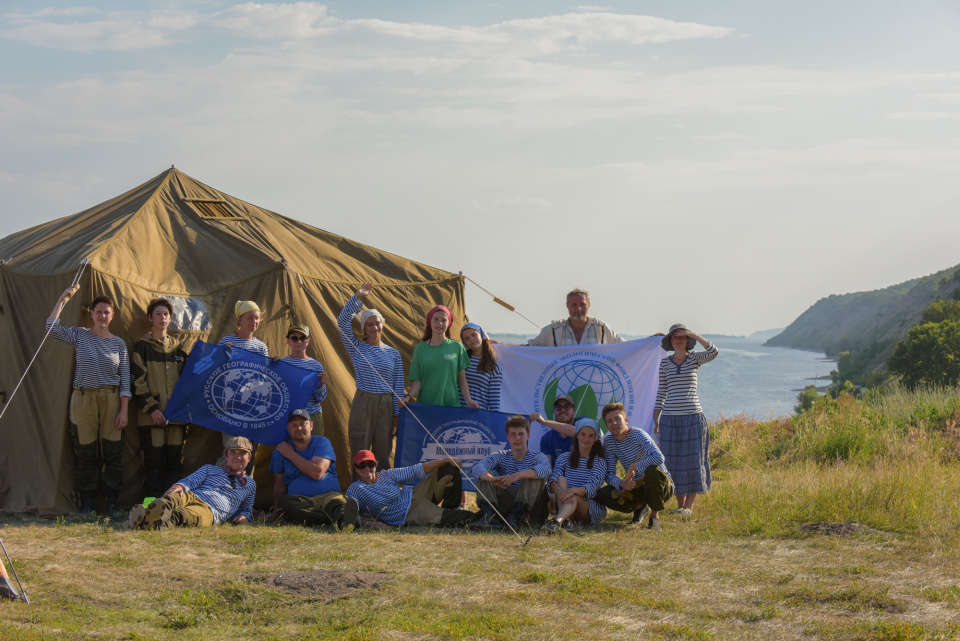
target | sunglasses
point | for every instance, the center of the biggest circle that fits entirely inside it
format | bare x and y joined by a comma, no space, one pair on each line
565,407
298,339
366,465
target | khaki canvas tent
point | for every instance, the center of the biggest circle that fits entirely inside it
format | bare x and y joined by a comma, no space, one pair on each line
176,237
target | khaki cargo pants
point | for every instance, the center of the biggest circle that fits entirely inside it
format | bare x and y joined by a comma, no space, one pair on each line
93,412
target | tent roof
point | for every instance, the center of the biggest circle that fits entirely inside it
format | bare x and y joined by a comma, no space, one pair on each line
162,234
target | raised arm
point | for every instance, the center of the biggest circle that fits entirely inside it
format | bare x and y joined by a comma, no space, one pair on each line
564,429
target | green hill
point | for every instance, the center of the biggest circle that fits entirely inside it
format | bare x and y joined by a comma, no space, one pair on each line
869,323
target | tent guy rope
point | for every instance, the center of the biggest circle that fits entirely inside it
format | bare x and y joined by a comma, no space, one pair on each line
74,282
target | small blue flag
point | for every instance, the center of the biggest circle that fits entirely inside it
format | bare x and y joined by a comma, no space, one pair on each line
240,393
427,433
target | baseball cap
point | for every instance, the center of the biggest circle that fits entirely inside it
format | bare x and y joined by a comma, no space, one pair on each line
363,455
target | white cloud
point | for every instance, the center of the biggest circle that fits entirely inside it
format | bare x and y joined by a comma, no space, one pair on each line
138,29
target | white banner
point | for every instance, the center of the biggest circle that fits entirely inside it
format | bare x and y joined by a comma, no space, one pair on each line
593,375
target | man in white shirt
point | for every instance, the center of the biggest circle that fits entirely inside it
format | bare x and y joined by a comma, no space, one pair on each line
578,329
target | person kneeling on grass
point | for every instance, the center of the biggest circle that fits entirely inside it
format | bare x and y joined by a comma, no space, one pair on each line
513,481
388,496
209,496
576,479
305,488
646,485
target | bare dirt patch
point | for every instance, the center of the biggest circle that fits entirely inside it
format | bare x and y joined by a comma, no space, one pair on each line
839,529
328,585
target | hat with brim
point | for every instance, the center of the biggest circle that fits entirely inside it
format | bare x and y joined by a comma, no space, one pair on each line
239,443
298,327
362,456
668,346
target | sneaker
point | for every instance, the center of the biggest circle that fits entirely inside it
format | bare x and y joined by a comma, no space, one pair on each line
137,512
168,520
641,514
676,511
551,527
686,512
567,526
654,524
351,511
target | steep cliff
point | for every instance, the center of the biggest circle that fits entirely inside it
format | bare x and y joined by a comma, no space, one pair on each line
863,321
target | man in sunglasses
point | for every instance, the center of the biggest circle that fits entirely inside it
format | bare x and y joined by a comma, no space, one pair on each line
389,496
560,437
305,488
298,339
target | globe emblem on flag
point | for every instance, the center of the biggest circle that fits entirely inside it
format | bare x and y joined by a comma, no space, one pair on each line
246,395
462,434
592,384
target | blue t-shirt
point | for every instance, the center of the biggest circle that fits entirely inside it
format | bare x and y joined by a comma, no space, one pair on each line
298,484
553,444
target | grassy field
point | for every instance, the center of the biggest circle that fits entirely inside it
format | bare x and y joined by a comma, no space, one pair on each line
743,567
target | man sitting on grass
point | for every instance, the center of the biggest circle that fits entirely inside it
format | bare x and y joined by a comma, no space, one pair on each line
646,485
388,496
513,481
209,496
305,487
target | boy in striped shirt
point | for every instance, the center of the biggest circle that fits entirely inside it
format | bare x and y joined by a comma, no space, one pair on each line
389,496
646,485
513,481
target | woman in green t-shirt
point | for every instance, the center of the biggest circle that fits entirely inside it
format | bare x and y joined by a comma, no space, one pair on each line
439,365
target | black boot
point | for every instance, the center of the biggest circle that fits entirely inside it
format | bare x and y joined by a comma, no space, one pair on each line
488,519
86,502
112,496
519,516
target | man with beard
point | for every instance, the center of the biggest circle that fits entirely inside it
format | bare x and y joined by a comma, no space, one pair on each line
578,329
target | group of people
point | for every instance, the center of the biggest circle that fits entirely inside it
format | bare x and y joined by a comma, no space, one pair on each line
574,474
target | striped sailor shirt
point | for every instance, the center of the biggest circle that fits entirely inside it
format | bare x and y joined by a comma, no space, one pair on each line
484,386
385,500
254,345
677,395
503,463
101,362
582,476
312,364
378,369
637,448
224,494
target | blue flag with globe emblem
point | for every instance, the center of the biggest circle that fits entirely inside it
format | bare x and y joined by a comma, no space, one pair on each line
240,393
427,433
593,375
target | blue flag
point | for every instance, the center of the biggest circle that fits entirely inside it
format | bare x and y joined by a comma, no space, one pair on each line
240,393
427,433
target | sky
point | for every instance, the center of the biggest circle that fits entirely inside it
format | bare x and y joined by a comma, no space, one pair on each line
720,164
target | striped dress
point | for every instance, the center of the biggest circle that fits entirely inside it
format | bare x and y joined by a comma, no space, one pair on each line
385,500
503,463
484,386
637,448
582,476
254,345
378,369
684,432
101,362
312,364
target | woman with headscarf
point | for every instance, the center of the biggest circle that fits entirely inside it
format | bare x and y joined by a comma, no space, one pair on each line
439,365
484,375
678,418
379,372
576,479
248,320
